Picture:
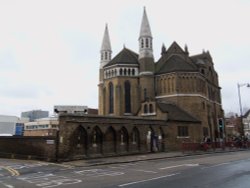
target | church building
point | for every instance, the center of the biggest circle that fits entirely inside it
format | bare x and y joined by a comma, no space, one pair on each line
145,105
135,84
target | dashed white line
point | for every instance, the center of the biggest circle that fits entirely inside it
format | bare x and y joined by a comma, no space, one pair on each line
135,182
176,166
147,171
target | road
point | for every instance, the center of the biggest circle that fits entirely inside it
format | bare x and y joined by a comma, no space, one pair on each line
218,170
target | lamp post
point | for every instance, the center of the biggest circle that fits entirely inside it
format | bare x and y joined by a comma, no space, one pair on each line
241,113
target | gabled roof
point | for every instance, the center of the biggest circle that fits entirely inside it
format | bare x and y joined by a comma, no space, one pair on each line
175,64
174,60
125,56
175,113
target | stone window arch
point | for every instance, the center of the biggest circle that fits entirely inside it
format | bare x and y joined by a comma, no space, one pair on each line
127,88
111,98
145,108
125,72
96,138
110,140
123,136
151,108
120,71
133,72
147,43
135,136
142,43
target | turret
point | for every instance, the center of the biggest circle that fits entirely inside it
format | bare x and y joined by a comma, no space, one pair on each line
106,51
145,38
146,60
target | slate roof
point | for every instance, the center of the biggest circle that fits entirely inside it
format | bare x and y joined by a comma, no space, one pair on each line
175,64
175,113
125,56
175,60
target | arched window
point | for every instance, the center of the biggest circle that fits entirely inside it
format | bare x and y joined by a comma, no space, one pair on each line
142,43
147,43
129,72
106,55
135,136
151,109
127,97
120,71
133,72
125,72
111,98
145,94
145,108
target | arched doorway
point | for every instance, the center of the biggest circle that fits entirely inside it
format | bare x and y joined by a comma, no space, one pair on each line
79,142
135,140
109,141
96,141
161,136
152,140
123,140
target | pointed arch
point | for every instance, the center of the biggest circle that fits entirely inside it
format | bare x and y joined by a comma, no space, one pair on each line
135,139
150,137
96,140
79,142
110,141
123,140
127,88
111,98
145,108
161,137
151,108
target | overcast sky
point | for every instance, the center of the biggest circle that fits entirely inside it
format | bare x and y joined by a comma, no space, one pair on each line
49,49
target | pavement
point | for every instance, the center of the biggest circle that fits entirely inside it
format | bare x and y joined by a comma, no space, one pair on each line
139,157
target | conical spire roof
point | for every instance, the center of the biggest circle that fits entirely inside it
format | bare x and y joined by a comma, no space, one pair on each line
106,40
145,27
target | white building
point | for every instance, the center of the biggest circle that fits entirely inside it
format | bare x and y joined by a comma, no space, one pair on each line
41,127
8,124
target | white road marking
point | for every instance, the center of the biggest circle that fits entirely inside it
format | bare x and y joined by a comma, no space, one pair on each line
215,165
176,166
147,171
6,185
98,173
135,182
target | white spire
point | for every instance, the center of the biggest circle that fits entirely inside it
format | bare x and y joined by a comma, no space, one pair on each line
106,51
145,38
145,28
106,41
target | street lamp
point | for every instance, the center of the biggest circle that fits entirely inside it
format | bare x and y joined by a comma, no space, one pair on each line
241,113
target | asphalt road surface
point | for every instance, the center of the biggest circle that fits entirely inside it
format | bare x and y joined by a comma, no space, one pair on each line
221,170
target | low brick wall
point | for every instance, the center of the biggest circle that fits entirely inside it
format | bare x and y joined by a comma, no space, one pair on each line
30,147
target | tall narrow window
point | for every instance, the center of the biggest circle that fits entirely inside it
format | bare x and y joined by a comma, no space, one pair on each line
142,43
111,98
145,94
145,109
151,110
127,97
147,44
